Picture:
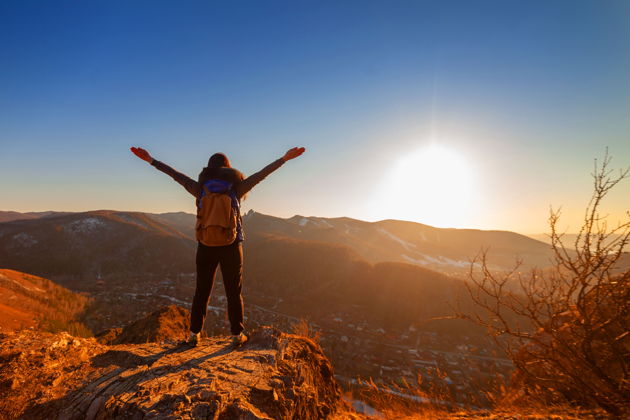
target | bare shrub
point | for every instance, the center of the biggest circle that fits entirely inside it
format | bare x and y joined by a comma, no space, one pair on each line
566,328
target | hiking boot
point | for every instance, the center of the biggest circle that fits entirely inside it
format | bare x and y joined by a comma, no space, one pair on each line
192,341
239,339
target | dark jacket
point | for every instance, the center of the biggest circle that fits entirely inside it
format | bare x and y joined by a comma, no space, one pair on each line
240,184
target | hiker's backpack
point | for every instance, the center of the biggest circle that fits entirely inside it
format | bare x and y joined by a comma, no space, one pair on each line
217,214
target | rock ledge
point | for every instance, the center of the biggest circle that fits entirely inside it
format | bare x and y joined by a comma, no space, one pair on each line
273,376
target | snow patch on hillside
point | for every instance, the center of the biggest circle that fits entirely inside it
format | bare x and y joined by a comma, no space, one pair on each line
349,229
24,239
324,222
414,260
317,222
407,245
87,225
440,260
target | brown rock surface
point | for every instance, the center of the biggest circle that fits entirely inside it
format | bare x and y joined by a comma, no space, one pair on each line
170,322
274,375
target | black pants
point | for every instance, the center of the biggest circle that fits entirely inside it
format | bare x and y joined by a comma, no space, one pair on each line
230,257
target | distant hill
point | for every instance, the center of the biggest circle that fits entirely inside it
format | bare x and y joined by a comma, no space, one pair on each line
95,243
568,238
29,301
445,250
101,242
9,216
182,222
323,280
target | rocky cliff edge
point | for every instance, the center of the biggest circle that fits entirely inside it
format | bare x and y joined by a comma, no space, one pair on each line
273,376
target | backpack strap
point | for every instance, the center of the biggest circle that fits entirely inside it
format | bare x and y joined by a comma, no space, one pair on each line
222,187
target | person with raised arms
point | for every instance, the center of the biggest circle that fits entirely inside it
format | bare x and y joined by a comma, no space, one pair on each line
219,232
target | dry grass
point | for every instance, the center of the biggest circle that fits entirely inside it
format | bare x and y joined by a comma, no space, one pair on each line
48,306
405,400
411,402
303,329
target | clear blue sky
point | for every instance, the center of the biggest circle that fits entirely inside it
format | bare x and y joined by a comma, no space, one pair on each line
522,94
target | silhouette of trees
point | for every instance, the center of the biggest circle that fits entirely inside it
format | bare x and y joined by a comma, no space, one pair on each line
566,327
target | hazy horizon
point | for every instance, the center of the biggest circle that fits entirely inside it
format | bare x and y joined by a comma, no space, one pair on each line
535,235
473,115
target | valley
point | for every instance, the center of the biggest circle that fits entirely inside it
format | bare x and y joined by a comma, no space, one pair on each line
379,294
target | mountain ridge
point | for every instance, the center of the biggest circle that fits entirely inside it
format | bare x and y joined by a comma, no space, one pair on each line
94,243
446,250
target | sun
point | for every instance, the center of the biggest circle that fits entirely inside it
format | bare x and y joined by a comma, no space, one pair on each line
432,185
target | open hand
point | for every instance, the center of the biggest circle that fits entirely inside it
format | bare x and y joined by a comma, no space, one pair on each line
142,154
293,153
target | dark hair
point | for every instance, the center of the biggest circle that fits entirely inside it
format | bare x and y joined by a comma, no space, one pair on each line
217,168
219,160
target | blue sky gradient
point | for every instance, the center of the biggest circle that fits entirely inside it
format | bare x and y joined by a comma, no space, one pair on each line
529,93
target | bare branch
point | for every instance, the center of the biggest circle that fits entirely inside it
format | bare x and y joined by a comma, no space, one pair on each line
567,326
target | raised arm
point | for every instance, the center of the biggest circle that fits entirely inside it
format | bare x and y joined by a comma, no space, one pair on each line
191,185
250,182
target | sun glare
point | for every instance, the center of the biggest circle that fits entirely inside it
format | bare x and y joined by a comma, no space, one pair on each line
432,185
